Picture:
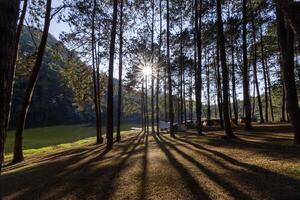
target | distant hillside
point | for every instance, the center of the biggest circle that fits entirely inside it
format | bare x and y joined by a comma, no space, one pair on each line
52,100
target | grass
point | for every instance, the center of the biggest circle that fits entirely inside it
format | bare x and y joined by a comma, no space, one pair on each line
45,139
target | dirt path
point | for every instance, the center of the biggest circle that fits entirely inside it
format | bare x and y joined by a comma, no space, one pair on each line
146,166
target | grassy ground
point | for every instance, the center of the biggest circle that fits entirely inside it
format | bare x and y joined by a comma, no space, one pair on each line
263,164
37,140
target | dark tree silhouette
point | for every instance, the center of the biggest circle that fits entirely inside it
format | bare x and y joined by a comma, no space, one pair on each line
18,148
110,87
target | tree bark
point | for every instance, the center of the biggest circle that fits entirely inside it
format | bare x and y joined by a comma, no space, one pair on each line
169,71
247,103
153,71
119,114
219,87
233,80
221,40
290,10
286,45
198,71
95,63
18,148
255,70
158,69
9,10
110,86
18,36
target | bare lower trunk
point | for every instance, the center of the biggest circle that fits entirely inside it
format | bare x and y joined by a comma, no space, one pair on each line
283,119
270,93
235,109
18,148
263,62
219,87
221,40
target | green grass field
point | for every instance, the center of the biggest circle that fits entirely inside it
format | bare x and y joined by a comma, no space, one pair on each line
37,140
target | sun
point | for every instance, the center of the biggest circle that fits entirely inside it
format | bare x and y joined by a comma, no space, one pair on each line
147,70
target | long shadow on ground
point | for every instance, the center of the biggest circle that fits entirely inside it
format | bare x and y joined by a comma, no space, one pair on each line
269,184
75,172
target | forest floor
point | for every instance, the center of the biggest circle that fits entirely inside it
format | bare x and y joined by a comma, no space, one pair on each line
263,164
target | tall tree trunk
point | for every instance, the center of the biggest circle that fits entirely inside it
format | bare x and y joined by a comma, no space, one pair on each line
219,87
247,103
208,91
255,70
221,40
235,108
110,86
286,44
95,63
9,10
169,71
143,106
270,93
263,61
283,119
152,69
100,138
158,69
18,148
120,74
146,105
198,71
253,99
12,78
165,94
181,66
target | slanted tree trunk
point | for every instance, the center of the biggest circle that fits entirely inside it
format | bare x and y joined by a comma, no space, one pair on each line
221,40
110,86
9,10
255,70
18,148
198,70
18,36
286,44
119,114
171,112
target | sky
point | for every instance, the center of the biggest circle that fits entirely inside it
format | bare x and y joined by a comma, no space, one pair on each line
57,27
